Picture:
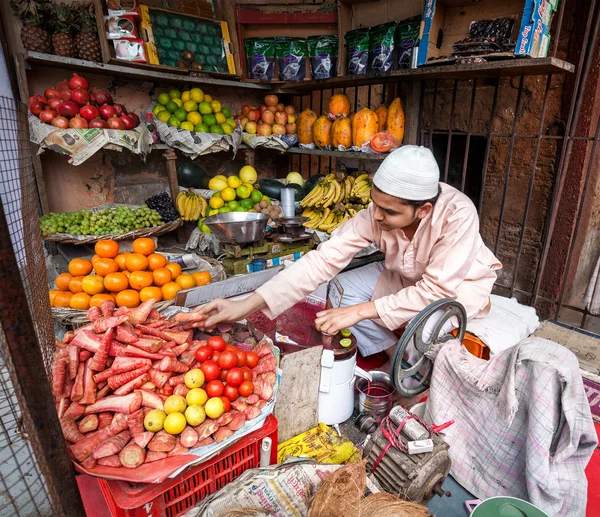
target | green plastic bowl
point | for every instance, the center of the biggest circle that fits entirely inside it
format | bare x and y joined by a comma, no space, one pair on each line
502,506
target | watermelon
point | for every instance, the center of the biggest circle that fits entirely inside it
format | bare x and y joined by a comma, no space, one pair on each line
190,175
272,188
310,183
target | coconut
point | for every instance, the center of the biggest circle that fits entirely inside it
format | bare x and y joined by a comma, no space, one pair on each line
242,512
340,493
382,504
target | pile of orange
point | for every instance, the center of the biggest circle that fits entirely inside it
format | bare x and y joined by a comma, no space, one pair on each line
127,279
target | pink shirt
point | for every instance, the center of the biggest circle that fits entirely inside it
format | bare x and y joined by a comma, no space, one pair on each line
445,259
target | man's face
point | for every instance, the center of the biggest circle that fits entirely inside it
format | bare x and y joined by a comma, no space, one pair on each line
391,214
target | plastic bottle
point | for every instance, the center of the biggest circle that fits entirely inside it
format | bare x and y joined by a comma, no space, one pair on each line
151,128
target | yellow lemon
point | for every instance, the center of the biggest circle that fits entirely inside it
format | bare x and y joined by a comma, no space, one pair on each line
158,108
174,404
248,174
216,106
221,177
228,194
194,378
163,115
234,181
190,106
196,397
175,423
187,125
154,420
195,415
179,102
217,183
214,408
196,94
207,98
185,96
249,185
220,118
204,108
213,212
194,117
227,128
216,203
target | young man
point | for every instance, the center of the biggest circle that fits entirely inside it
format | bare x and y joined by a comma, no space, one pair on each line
429,233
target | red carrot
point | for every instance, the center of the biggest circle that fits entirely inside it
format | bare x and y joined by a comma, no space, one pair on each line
181,389
252,399
262,349
133,384
89,387
143,439
88,423
162,442
206,428
94,313
222,434
260,404
156,324
73,360
184,317
168,364
180,337
148,386
121,311
155,456
110,461
239,419
180,348
89,463
205,441
112,445
88,340
151,346
239,405
75,411
100,394
251,412
104,419
119,380
141,312
98,362
225,418
179,379
121,365
84,355
126,333
119,422
147,329
179,450
187,357
59,375
135,421
77,391
61,406
154,315
71,430
126,404
103,324
188,437
107,307
69,336
132,351
151,399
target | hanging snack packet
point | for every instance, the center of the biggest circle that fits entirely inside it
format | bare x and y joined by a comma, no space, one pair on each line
291,58
381,47
323,54
260,58
357,42
407,39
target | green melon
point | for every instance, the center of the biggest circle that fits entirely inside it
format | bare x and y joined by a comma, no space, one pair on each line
191,175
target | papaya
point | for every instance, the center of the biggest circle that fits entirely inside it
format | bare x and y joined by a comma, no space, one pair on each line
306,121
364,127
341,133
339,105
395,119
351,116
322,132
382,113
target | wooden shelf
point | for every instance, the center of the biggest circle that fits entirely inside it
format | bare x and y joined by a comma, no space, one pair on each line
500,68
81,65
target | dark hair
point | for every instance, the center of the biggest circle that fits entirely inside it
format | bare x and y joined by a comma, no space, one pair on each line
415,204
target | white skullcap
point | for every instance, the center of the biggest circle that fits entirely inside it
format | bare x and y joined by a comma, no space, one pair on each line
410,172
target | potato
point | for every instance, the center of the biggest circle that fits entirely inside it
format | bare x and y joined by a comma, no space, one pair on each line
263,204
257,207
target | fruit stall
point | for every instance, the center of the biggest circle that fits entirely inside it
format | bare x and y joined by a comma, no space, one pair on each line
186,150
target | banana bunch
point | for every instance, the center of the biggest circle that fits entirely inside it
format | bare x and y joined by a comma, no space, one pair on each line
361,189
338,188
328,219
190,205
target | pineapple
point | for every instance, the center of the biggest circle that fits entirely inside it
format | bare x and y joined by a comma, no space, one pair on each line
87,45
62,24
34,16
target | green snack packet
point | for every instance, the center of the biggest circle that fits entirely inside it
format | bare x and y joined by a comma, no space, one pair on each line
357,42
260,58
291,58
381,47
323,54
407,39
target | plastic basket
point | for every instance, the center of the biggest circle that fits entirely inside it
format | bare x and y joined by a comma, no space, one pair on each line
176,496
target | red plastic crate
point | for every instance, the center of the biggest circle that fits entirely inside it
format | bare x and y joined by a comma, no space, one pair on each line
176,496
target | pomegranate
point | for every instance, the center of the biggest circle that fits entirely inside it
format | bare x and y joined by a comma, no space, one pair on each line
65,94
63,84
115,122
262,108
271,100
128,121
78,82
264,130
39,98
281,107
36,107
120,109
48,115
290,110
250,127
93,98
246,109
281,118
254,115
78,122
60,122
290,128
278,129
89,112
136,119
51,92
103,97
68,109
81,97
54,102
272,109
107,111
98,123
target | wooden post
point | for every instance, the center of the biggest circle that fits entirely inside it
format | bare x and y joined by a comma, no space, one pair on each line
171,159
411,112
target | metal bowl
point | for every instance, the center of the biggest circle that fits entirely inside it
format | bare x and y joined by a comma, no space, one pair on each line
238,227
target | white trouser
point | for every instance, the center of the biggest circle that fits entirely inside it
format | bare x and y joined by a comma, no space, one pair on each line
358,285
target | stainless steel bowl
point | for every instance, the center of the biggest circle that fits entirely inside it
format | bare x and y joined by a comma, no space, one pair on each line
238,227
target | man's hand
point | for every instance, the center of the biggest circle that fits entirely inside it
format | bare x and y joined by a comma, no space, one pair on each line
227,311
332,321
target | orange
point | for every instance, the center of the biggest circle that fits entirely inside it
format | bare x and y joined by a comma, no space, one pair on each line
75,284
80,267
136,262
151,292
80,301
161,276
156,261
170,290
53,294
121,259
202,278
92,284
104,266
97,299
186,281
106,248
126,273
62,298
174,268
63,280
140,279
144,245
94,259
115,282
128,298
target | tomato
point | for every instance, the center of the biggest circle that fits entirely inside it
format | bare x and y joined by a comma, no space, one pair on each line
217,343
215,388
235,376
215,356
166,390
231,392
247,373
381,143
223,375
211,370
246,388
230,347
251,359
228,360
241,357
203,353
226,404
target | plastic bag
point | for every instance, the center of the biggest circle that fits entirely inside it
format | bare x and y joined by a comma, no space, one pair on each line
357,42
382,142
381,47
323,54
260,58
291,58
407,38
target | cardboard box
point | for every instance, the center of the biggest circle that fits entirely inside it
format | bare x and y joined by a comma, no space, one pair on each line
130,50
123,7
534,34
121,27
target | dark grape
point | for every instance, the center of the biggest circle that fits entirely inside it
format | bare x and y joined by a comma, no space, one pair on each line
164,206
